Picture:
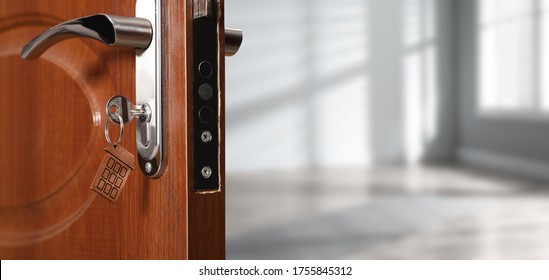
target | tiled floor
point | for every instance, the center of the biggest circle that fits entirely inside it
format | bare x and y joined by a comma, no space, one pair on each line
387,213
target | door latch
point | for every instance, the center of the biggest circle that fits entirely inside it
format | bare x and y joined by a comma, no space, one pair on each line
206,91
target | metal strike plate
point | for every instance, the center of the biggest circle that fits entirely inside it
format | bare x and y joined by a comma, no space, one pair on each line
206,96
148,91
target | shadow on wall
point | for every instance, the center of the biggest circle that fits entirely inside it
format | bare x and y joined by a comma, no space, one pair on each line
339,83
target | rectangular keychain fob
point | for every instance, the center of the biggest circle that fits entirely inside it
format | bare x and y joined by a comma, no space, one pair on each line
113,172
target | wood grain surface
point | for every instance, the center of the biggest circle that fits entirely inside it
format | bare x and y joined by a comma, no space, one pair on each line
51,141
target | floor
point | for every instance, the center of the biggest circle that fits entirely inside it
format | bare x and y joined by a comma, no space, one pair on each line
389,212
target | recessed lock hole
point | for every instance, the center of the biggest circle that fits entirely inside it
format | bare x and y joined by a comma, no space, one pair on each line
113,109
206,114
205,69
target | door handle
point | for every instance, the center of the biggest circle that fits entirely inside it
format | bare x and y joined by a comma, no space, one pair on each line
233,40
143,33
111,30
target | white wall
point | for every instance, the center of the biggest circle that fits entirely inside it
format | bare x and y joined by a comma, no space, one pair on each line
339,83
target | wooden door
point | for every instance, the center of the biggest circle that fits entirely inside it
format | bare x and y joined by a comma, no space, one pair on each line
51,144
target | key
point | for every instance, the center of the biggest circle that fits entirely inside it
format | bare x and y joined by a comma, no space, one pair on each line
113,172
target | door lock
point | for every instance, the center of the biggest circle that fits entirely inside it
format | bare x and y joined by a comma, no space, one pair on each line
143,33
206,96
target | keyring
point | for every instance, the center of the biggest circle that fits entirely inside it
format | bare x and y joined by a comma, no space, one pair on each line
119,133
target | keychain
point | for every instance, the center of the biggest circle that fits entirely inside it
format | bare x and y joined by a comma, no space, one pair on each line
116,166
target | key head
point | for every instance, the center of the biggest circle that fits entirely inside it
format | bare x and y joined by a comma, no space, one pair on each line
113,173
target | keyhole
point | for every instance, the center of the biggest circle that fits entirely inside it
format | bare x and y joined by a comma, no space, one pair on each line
113,109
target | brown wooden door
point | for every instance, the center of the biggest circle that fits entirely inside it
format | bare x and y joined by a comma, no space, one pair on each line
51,144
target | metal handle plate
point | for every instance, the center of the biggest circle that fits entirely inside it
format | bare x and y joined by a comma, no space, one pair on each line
148,90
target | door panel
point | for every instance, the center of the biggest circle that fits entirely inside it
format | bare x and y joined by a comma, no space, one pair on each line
51,128
52,120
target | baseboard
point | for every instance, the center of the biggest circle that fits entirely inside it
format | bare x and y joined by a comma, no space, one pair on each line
503,163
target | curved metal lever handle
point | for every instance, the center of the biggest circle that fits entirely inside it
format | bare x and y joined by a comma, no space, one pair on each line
111,30
233,40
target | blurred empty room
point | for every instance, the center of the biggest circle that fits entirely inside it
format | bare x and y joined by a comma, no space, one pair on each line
388,129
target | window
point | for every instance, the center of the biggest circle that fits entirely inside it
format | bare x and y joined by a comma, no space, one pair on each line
512,38
421,77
